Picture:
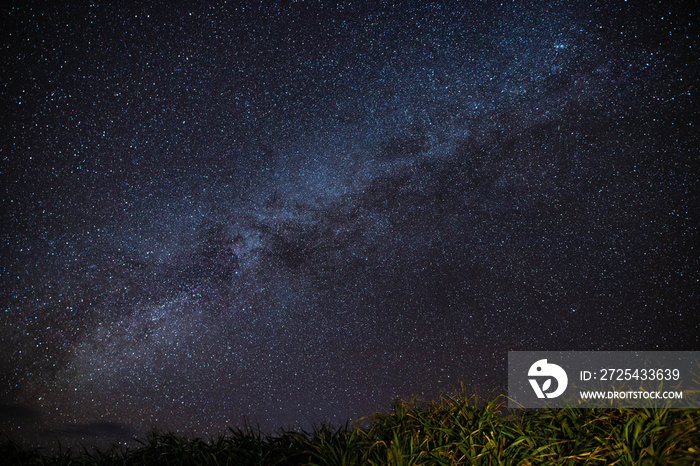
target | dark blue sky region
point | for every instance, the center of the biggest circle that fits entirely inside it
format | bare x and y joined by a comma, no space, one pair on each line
291,212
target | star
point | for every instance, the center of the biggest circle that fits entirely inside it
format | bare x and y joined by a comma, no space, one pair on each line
289,214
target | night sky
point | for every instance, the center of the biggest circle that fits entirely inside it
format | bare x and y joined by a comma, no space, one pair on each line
283,213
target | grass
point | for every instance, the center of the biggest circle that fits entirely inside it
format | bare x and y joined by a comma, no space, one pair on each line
453,431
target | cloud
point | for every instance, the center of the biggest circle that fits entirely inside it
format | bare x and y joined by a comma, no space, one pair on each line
97,429
15,411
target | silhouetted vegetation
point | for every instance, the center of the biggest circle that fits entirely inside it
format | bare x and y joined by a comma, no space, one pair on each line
456,430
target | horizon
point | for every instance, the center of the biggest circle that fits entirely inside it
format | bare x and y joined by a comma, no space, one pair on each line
290,213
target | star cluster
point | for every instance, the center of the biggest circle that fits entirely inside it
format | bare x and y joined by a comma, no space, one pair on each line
285,213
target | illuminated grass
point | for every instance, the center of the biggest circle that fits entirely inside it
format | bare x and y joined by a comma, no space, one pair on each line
455,430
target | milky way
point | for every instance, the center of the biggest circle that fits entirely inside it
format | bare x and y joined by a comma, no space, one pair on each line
285,214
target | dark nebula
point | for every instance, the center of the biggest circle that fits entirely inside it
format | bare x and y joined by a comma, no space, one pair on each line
283,213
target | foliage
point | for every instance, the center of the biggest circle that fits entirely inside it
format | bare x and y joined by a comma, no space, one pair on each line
453,431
